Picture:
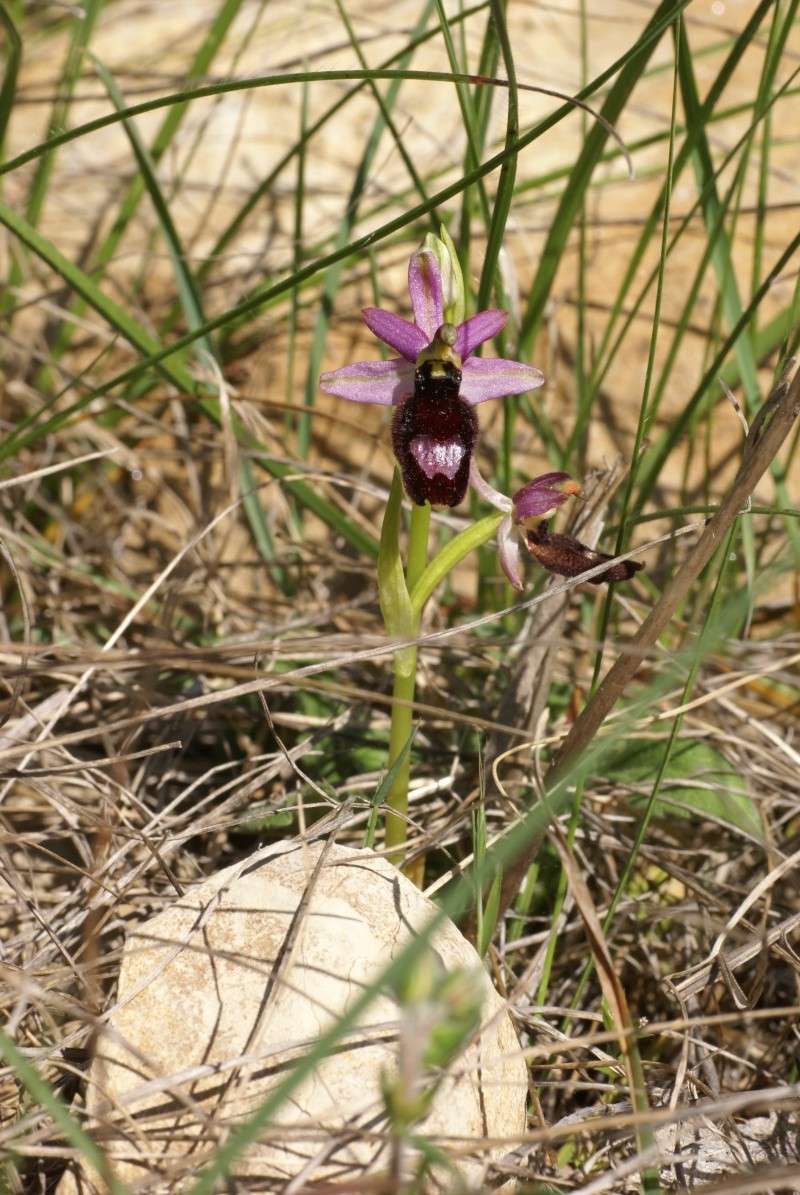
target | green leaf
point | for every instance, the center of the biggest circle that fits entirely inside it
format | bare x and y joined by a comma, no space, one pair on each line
452,553
490,911
270,823
698,781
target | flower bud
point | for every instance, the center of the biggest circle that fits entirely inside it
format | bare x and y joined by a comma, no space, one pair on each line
453,292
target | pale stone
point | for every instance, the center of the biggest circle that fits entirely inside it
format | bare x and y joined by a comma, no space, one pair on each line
240,967
701,1151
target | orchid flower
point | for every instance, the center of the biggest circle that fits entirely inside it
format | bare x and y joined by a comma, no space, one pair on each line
539,497
435,383
561,554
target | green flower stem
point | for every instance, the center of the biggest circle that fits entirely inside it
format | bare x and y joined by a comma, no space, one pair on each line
422,579
405,680
397,800
418,543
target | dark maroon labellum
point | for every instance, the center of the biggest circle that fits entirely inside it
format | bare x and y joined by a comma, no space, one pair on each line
568,557
433,435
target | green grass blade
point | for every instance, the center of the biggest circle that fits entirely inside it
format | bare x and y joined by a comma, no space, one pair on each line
302,491
265,294
655,460
173,372
487,68
81,33
468,115
259,527
482,98
43,1095
644,410
685,223
346,226
381,794
590,154
187,290
715,91
163,139
578,440
777,42
508,171
385,105
648,38
85,286
268,182
297,257
9,84
491,279
714,214
200,132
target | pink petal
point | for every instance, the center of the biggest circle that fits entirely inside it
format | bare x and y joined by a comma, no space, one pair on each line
404,337
382,382
492,377
478,328
425,291
544,479
542,495
508,552
489,494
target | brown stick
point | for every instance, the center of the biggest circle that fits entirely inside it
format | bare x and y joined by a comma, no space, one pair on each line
771,427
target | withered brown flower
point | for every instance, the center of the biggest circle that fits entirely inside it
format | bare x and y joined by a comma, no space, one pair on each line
569,557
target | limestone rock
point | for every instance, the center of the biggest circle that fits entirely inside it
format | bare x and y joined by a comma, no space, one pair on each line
221,991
